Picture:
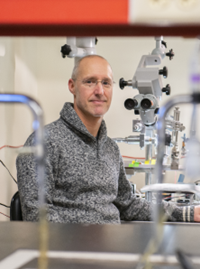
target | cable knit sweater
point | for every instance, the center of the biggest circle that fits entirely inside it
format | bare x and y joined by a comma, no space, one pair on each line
85,178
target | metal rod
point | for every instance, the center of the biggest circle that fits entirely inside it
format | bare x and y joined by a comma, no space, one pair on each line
179,99
158,212
148,157
39,154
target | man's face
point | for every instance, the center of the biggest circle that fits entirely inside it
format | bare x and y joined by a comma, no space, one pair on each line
92,101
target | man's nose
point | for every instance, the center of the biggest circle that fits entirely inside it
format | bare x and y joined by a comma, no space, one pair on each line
99,88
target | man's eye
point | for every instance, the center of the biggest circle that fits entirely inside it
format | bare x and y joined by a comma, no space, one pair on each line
106,83
89,81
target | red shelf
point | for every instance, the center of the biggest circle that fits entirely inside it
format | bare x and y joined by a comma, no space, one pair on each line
78,18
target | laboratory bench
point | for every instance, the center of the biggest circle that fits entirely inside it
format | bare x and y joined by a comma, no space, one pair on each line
129,238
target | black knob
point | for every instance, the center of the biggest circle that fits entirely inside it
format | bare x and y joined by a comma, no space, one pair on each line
164,43
167,139
122,83
170,54
130,103
65,50
167,89
156,110
146,103
164,72
137,112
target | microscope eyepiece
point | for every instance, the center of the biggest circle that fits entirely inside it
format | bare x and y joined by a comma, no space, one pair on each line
146,103
130,103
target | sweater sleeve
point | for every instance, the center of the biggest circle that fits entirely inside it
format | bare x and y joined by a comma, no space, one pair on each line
132,208
28,183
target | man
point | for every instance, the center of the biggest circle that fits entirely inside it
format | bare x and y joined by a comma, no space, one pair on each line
85,177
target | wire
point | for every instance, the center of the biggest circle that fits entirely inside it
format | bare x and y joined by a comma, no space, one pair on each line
184,260
8,146
139,158
8,171
5,215
133,157
171,198
5,205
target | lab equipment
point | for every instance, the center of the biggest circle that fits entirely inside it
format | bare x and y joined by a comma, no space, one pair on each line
147,80
78,47
39,153
159,187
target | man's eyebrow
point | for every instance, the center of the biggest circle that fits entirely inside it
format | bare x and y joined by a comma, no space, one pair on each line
94,77
89,77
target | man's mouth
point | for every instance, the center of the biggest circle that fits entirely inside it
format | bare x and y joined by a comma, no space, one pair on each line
98,101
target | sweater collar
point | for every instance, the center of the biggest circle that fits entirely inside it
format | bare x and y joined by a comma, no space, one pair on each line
69,115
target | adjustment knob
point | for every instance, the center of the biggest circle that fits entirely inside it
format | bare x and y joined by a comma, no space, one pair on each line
122,83
170,54
130,103
164,43
167,139
167,89
164,72
65,50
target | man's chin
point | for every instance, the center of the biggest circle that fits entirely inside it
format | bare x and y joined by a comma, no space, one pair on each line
97,112
98,115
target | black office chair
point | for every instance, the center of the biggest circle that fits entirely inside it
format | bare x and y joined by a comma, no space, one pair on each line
15,208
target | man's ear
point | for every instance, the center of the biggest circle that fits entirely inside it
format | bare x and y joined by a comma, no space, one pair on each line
71,86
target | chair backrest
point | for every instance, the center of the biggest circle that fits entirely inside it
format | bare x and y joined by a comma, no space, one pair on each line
15,208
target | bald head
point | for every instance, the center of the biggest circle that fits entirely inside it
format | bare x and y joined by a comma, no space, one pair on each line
92,87
77,65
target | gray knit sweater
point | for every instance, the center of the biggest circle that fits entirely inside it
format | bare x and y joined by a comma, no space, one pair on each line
85,178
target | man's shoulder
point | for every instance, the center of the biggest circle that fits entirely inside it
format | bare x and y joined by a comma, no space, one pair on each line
53,126
52,132
111,143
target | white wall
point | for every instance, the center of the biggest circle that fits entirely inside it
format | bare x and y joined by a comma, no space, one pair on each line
34,66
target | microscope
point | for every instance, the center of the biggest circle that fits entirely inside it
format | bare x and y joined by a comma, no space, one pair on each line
148,81
78,47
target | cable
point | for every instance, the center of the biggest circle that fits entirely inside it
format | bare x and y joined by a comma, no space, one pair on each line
5,215
139,158
15,182
8,171
5,205
8,146
184,260
129,157
171,198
